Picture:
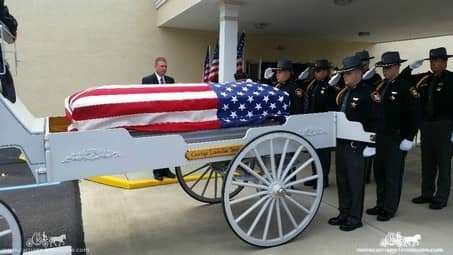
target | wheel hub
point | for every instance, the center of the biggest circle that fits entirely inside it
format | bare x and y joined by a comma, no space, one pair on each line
277,190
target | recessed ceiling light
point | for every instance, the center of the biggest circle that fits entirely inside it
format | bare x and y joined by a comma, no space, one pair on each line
362,34
342,2
261,25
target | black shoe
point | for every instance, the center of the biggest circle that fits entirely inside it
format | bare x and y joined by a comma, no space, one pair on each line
311,183
384,216
350,225
168,174
437,205
374,211
159,177
340,219
422,200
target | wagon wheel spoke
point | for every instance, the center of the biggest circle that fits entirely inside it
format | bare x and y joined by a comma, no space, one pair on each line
11,237
204,183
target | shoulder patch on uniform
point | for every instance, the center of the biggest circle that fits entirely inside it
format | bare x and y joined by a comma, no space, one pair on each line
413,91
376,96
299,92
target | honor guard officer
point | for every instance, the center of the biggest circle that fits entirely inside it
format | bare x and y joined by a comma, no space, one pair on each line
436,96
399,103
321,98
374,80
285,82
355,101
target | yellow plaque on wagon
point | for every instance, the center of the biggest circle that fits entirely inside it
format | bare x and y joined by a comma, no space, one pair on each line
213,152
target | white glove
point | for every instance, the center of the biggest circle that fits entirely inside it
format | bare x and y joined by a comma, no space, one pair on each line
369,152
369,74
268,73
416,64
304,74
406,145
334,80
451,139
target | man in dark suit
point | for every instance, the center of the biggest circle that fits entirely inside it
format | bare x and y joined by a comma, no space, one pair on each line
159,77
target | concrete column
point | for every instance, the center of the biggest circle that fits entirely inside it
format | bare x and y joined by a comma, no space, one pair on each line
228,37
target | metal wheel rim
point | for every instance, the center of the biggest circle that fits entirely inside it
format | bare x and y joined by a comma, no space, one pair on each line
13,230
276,203
217,182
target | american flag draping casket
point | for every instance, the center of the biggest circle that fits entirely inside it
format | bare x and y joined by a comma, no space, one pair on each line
175,107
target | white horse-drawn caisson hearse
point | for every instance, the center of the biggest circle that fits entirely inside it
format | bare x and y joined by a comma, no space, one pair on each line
257,172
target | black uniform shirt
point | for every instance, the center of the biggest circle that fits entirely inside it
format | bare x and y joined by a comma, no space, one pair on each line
356,103
436,94
321,97
295,96
400,108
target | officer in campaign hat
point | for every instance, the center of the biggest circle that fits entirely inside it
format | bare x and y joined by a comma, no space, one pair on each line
355,102
374,80
436,97
285,81
320,97
399,105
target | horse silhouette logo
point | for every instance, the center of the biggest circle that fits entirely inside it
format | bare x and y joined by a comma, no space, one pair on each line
396,240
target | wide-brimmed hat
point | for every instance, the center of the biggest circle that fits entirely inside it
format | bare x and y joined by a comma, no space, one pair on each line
284,65
390,58
322,64
351,63
438,53
364,55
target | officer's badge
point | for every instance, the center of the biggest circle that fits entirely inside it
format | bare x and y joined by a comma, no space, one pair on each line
299,92
414,92
439,89
354,105
322,92
393,96
376,97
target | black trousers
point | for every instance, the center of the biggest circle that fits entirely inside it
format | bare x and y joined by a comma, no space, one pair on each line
436,159
368,167
350,178
325,158
388,171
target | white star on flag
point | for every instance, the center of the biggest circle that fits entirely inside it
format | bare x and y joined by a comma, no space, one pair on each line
250,99
258,106
233,115
266,99
225,107
242,107
234,99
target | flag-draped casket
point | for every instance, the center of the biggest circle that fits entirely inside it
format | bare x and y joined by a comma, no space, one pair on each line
175,107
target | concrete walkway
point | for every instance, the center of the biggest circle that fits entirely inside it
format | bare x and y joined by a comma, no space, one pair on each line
164,220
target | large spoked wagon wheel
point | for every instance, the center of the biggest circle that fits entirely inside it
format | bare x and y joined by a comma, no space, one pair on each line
10,232
207,182
274,206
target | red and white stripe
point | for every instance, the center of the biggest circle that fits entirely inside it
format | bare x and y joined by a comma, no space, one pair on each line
214,71
159,108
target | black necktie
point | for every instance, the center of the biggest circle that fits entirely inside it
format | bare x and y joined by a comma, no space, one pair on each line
162,80
344,103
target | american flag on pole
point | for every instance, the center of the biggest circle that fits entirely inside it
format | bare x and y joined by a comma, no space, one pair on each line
214,70
240,54
175,107
207,65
